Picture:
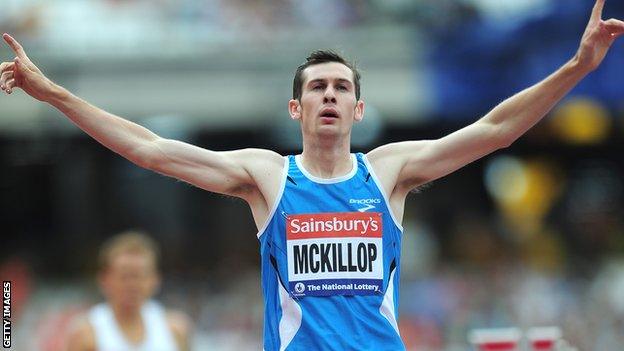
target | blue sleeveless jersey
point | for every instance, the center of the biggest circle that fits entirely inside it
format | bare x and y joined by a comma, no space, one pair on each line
330,254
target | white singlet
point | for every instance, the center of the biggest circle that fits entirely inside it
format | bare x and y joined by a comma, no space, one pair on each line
109,337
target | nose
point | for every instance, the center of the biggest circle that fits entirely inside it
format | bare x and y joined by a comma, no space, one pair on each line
329,96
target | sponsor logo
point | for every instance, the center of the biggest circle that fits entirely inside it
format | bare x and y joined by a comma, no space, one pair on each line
367,203
299,287
364,209
337,253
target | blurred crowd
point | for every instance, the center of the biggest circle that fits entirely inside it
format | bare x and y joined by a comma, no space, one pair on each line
498,47
91,25
257,17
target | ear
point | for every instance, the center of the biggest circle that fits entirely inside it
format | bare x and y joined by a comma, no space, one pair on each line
294,108
359,111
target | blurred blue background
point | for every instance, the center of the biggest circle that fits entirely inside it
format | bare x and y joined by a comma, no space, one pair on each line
531,235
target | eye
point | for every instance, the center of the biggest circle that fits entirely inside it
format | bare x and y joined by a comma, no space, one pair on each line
342,88
317,87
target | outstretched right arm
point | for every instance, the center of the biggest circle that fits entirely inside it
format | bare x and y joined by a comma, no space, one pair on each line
231,173
220,172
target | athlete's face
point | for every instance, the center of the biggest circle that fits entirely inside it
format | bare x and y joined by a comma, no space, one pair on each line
129,280
328,106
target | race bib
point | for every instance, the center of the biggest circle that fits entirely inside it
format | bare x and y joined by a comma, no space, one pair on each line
335,253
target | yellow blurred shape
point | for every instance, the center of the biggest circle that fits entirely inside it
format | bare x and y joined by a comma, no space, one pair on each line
581,121
525,191
506,179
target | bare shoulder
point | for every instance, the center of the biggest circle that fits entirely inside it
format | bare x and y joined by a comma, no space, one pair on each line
389,160
394,163
181,326
264,166
81,336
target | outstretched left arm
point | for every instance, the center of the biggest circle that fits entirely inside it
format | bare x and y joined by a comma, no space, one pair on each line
417,162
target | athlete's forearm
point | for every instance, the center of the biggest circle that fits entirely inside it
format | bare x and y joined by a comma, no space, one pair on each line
514,116
126,138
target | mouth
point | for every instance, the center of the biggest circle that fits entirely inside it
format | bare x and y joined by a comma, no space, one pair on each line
329,113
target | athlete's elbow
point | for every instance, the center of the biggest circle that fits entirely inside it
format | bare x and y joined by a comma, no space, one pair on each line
145,156
505,142
145,162
503,138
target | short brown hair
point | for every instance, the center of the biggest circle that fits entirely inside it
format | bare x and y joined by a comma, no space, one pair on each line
127,242
323,56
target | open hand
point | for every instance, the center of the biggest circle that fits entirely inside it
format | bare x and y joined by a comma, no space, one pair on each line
598,38
22,73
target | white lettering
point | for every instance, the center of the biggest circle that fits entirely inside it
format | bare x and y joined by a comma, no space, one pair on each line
374,225
295,224
364,201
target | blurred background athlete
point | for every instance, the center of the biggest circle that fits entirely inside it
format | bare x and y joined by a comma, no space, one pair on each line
129,319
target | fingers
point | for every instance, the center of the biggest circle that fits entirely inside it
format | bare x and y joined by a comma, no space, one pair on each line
15,46
597,11
19,68
7,81
10,74
614,21
6,73
6,66
10,71
5,77
614,26
9,86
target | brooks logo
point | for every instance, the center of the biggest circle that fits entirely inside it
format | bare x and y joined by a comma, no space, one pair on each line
367,203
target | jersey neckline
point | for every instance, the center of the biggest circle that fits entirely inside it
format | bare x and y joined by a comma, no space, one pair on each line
319,180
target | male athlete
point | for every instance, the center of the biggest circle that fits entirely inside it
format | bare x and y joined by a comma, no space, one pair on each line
329,221
129,320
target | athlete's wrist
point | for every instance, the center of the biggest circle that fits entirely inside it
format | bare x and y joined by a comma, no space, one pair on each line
57,96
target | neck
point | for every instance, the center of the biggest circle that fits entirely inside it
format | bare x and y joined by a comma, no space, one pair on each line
125,316
327,157
130,323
